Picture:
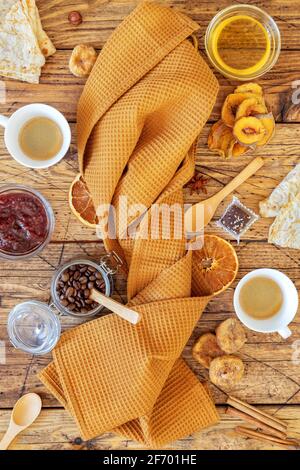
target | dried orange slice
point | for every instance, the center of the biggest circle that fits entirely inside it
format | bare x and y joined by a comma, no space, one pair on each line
215,266
81,203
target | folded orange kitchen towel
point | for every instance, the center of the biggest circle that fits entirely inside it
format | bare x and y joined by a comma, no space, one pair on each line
140,113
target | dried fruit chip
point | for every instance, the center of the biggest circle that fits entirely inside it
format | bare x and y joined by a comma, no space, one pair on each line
221,139
269,125
249,88
249,130
230,107
226,371
206,349
250,107
81,203
230,335
239,149
214,266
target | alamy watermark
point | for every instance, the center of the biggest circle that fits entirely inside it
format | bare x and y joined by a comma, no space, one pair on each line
160,221
2,353
296,92
2,92
296,353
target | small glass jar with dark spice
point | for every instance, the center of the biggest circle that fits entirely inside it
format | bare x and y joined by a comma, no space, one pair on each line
237,219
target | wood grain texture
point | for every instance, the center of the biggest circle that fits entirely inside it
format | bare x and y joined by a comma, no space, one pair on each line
272,378
56,430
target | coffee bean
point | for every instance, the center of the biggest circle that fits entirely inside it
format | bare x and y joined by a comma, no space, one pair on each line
74,288
100,284
69,292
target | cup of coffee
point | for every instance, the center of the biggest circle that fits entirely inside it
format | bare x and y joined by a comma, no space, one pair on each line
36,135
266,300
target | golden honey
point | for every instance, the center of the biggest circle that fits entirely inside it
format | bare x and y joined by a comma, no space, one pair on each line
241,45
242,42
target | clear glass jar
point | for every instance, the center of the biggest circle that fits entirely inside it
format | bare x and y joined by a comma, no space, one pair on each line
103,268
17,188
268,29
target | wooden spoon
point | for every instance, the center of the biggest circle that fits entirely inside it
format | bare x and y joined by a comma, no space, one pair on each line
25,412
119,309
200,214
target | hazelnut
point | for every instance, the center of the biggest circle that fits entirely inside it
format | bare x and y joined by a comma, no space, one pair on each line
75,18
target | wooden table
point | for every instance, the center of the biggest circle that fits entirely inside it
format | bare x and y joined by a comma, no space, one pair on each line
272,380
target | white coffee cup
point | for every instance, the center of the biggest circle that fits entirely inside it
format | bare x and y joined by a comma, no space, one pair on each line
16,121
279,322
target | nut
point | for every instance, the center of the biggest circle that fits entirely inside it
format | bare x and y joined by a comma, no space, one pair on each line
75,18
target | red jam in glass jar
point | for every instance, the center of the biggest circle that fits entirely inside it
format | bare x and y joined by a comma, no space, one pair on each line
23,223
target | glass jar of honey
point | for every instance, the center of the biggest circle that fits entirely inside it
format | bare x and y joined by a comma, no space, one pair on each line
242,42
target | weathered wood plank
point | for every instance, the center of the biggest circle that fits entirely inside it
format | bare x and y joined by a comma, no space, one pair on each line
277,86
267,357
101,17
280,156
55,429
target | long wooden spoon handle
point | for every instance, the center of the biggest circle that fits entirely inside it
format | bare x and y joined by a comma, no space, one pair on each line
241,177
7,439
124,312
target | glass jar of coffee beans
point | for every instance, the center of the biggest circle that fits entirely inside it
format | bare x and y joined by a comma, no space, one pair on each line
73,282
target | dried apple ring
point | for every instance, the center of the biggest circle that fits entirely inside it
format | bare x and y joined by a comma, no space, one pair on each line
206,349
248,130
216,131
220,138
238,149
82,60
230,335
230,106
268,122
226,371
249,88
250,107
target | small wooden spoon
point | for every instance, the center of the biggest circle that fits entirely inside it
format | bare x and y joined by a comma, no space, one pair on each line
25,412
119,309
200,214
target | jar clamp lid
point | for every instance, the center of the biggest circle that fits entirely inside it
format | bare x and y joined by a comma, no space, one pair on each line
33,327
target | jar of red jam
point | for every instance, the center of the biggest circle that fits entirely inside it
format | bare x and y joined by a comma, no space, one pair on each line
26,222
